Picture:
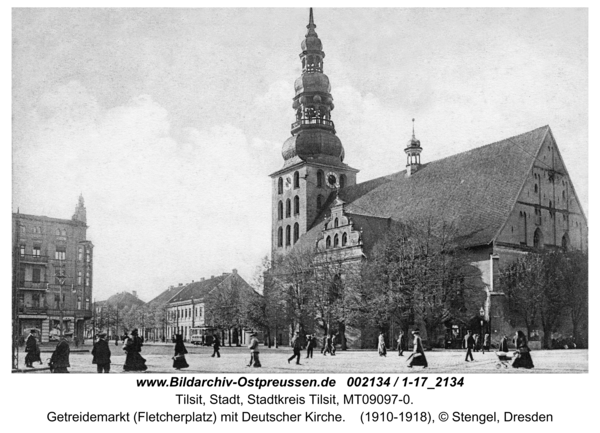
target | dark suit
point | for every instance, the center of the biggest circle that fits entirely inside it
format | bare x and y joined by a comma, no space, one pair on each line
296,344
470,345
101,354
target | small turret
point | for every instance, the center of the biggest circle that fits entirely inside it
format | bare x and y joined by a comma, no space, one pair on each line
413,154
80,213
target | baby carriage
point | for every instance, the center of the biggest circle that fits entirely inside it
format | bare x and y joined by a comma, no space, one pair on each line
504,358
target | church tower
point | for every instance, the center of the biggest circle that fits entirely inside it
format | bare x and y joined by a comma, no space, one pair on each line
80,212
313,156
413,154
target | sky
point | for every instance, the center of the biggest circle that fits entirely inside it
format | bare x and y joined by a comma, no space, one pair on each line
169,121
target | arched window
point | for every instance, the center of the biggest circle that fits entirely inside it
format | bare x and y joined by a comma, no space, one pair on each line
296,180
288,208
280,237
280,210
280,185
336,241
538,239
565,242
336,223
319,202
319,179
288,235
296,232
342,180
296,205
328,242
344,239
535,188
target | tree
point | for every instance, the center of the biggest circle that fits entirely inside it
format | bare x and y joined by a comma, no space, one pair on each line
224,307
576,278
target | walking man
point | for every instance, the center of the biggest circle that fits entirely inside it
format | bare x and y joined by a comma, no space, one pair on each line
400,343
101,354
296,345
486,342
33,349
254,351
216,347
59,361
470,343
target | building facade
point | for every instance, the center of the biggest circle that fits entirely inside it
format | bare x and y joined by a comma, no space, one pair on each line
505,199
52,273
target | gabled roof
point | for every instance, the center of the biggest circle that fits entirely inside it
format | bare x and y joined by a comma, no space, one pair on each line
166,296
475,190
198,289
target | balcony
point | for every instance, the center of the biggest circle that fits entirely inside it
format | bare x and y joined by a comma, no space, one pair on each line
45,311
38,285
34,259
313,122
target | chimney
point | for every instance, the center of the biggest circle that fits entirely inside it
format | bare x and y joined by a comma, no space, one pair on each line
212,276
235,271
180,284
192,281
202,279
134,293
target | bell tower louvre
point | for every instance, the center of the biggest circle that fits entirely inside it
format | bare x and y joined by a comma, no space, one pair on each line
313,156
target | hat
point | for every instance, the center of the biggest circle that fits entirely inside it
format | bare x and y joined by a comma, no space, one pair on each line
32,331
416,331
134,332
68,333
101,334
253,334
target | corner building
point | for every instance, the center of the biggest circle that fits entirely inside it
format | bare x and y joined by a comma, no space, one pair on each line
506,199
52,268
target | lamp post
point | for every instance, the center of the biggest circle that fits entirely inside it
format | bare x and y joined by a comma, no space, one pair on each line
61,277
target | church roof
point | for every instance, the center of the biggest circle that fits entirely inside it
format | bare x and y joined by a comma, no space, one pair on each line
474,190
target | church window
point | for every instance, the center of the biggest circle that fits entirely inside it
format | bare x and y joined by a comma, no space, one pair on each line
336,223
336,241
328,242
319,202
344,239
280,210
296,232
535,188
296,180
564,195
319,179
342,180
288,208
287,235
296,205
538,239
280,237
280,186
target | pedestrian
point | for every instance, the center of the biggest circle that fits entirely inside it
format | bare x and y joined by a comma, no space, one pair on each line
418,355
133,346
179,361
216,346
296,345
32,348
470,344
254,351
101,354
486,342
59,361
477,345
522,358
381,346
504,344
333,342
401,343
76,341
310,344
116,340
324,344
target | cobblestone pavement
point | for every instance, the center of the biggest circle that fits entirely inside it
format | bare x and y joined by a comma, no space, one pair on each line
234,360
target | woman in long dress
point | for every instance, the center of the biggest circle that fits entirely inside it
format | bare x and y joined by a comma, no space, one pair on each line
133,346
522,358
381,346
418,355
179,361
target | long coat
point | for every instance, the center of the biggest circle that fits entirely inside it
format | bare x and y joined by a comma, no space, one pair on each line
134,361
523,360
33,350
418,356
101,352
60,357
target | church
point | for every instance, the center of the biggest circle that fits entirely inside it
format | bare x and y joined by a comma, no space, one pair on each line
506,198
